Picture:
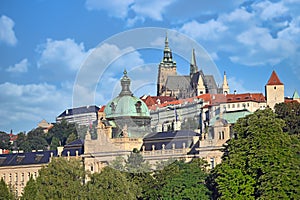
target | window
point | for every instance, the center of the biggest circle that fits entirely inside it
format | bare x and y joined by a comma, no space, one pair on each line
22,177
233,106
212,163
228,105
223,135
16,175
238,105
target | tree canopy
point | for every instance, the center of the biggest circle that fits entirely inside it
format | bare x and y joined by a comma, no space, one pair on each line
290,113
261,162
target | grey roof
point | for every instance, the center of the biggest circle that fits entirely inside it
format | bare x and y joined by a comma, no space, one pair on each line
79,110
178,83
28,158
40,157
210,84
168,139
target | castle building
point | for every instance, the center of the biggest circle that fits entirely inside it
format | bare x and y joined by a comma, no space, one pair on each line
274,91
128,111
83,116
169,83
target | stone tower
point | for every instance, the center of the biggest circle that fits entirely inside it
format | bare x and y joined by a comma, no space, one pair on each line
225,87
274,91
193,64
167,67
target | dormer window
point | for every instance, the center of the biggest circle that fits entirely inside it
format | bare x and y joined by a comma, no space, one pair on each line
138,106
113,107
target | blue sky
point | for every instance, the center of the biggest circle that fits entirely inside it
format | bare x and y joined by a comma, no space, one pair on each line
46,46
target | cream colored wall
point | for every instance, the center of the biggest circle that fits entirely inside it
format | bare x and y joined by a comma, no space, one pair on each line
274,94
18,176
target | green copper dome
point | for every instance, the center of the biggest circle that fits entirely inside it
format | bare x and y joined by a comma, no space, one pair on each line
126,105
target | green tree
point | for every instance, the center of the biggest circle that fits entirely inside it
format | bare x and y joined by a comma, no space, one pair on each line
260,162
181,180
61,179
30,190
62,131
290,113
5,193
110,184
54,143
72,137
4,140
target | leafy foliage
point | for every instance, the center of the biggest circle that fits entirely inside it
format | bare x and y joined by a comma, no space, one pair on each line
61,179
30,190
110,184
181,180
5,193
4,140
259,163
290,113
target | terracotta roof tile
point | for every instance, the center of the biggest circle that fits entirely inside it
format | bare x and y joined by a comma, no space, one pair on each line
274,80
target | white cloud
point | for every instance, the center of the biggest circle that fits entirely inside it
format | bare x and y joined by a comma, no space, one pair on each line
116,8
131,11
20,67
61,54
103,67
7,34
268,10
238,15
151,9
30,103
210,30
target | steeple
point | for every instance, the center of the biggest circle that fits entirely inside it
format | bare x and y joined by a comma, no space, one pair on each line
274,80
295,95
193,64
125,83
167,51
274,91
225,86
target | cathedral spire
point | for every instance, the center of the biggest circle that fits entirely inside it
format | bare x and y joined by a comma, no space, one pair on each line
193,64
225,86
167,51
125,83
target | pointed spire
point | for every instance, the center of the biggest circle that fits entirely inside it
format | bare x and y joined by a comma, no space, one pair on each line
225,83
166,41
125,83
274,80
295,95
193,64
167,51
225,86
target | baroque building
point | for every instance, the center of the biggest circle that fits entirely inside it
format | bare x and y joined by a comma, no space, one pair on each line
169,83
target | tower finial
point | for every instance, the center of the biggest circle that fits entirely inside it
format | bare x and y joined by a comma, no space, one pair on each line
193,64
125,83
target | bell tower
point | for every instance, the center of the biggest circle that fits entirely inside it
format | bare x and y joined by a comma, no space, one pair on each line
274,91
167,67
225,87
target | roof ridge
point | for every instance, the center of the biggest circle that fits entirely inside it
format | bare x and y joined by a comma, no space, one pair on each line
274,79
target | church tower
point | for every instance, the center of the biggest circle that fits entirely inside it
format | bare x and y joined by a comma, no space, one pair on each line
167,67
193,64
225,87
274,91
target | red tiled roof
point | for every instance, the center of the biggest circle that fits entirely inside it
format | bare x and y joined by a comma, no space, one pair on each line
274,80
101,109
152,100
257,97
